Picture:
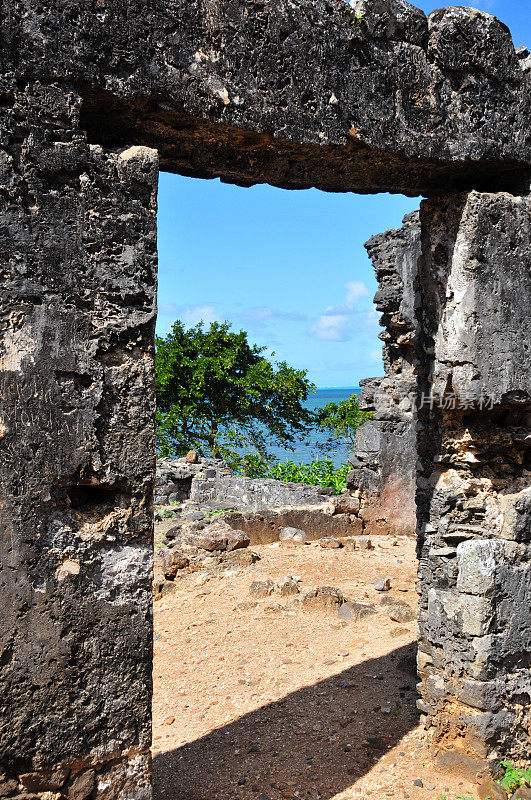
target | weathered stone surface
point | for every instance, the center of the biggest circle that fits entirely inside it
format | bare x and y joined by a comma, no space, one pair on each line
212,538
473,489
384,460
401,612
292,535
297,95
485,356
523,793
176,477
355,611
345,504
194,545
48,780
78,261
82,786
172,560
329,543
324,598
490,789
467,39
243,91
288,586
262,588
253,494
237,540
263,526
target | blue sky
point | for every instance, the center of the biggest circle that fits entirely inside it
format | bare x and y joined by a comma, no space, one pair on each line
289,267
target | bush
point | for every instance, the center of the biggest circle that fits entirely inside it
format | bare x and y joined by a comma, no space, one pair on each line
317,473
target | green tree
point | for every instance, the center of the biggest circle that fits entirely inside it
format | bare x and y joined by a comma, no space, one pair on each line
342,420
219,395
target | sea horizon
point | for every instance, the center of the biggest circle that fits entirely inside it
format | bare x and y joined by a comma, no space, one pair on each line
306,453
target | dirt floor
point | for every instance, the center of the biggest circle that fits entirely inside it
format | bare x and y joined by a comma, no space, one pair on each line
265,698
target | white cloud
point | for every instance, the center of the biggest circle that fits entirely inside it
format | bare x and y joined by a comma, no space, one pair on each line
339,323
192,315
355,291
332,327
258,321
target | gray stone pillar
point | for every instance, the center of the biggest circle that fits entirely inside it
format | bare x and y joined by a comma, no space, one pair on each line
474,497
385,462
78,266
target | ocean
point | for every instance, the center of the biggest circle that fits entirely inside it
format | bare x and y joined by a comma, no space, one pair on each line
305,453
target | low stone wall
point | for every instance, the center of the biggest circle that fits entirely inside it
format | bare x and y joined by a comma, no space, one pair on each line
255,494
262,506
264,527
211,481
174,477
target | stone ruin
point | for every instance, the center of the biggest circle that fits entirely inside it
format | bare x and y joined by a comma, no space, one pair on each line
211,483
385,459
95,98
214,514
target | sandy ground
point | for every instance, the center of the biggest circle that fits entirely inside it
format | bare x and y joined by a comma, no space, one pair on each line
266,699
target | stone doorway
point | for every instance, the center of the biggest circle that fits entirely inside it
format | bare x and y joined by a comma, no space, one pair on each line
241,647
92,100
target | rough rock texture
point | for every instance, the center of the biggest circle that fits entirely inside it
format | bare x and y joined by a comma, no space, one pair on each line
193,546
474,500
264,526
254,494
258,506
78,263
296,94
210,481
174,477
461,295
483,341
324,598
384,463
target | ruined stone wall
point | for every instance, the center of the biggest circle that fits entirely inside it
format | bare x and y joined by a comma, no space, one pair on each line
210,482
255,494
78,265
174,477
384,460
460,292
298,95
474,497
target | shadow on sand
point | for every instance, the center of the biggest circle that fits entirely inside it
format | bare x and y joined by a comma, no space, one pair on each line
316,741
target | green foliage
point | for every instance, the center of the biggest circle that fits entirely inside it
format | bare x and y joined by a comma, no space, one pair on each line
342,419
317,473
219,395
514,777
